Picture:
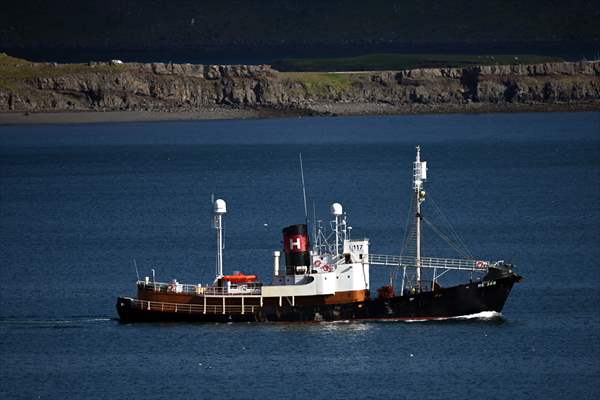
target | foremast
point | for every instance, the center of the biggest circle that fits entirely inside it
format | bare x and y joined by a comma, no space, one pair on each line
419,177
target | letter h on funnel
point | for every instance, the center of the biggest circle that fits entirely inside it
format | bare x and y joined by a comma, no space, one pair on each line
296,244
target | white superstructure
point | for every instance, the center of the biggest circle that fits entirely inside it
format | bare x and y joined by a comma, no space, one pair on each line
338,264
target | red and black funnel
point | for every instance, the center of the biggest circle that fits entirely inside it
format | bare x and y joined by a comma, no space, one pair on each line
296,246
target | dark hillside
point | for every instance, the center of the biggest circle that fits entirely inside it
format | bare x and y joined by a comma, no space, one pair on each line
188,29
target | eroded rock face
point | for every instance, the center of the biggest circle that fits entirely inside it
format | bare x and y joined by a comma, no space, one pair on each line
160,86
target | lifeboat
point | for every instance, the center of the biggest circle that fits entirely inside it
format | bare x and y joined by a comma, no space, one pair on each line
240,278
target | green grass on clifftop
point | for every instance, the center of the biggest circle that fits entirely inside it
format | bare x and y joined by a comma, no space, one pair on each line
320,83
391,61
16,68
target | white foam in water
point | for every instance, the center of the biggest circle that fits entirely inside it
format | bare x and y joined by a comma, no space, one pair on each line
485,315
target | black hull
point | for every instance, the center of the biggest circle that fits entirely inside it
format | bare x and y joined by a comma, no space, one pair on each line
449,302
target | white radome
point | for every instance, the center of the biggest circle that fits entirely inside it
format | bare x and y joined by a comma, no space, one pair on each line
220,206
336,209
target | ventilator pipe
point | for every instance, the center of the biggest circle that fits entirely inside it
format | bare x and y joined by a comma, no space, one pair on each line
276,255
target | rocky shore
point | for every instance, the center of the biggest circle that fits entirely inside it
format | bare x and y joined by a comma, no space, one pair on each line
242,91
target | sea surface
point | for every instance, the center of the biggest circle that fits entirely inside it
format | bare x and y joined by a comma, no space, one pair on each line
80,203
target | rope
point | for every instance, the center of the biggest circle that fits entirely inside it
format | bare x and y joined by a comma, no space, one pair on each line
456,237
407,235
448,240
451,237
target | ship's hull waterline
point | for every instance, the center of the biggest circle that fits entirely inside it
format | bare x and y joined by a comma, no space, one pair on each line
442,303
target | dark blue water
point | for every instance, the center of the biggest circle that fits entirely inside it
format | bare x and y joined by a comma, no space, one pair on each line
79,202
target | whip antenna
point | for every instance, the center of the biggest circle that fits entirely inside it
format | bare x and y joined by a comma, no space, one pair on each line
136,270
303,189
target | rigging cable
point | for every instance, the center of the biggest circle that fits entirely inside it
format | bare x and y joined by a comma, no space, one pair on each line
457,239
448,240
408,233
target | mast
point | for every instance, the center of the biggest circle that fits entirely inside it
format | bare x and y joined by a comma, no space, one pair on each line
220,209
419,176
337,211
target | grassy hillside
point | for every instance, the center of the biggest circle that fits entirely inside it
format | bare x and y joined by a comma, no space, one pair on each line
317,84
14,70
12,67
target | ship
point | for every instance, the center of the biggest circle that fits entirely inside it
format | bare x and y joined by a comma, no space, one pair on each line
329,280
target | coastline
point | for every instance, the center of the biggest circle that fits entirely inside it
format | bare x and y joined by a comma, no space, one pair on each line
91,117
40,93
238,113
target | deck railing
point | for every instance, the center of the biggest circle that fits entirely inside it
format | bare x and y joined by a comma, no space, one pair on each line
246,290
429,262
184,308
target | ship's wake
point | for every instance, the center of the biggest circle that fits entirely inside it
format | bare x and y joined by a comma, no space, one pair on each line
65,322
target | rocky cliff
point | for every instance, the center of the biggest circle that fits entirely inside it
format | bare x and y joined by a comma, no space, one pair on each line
32,87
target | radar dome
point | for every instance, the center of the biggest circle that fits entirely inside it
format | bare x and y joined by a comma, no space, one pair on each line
336,209
220,206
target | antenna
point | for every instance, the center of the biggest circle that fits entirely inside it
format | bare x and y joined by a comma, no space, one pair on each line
314,227
303,189
136,270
